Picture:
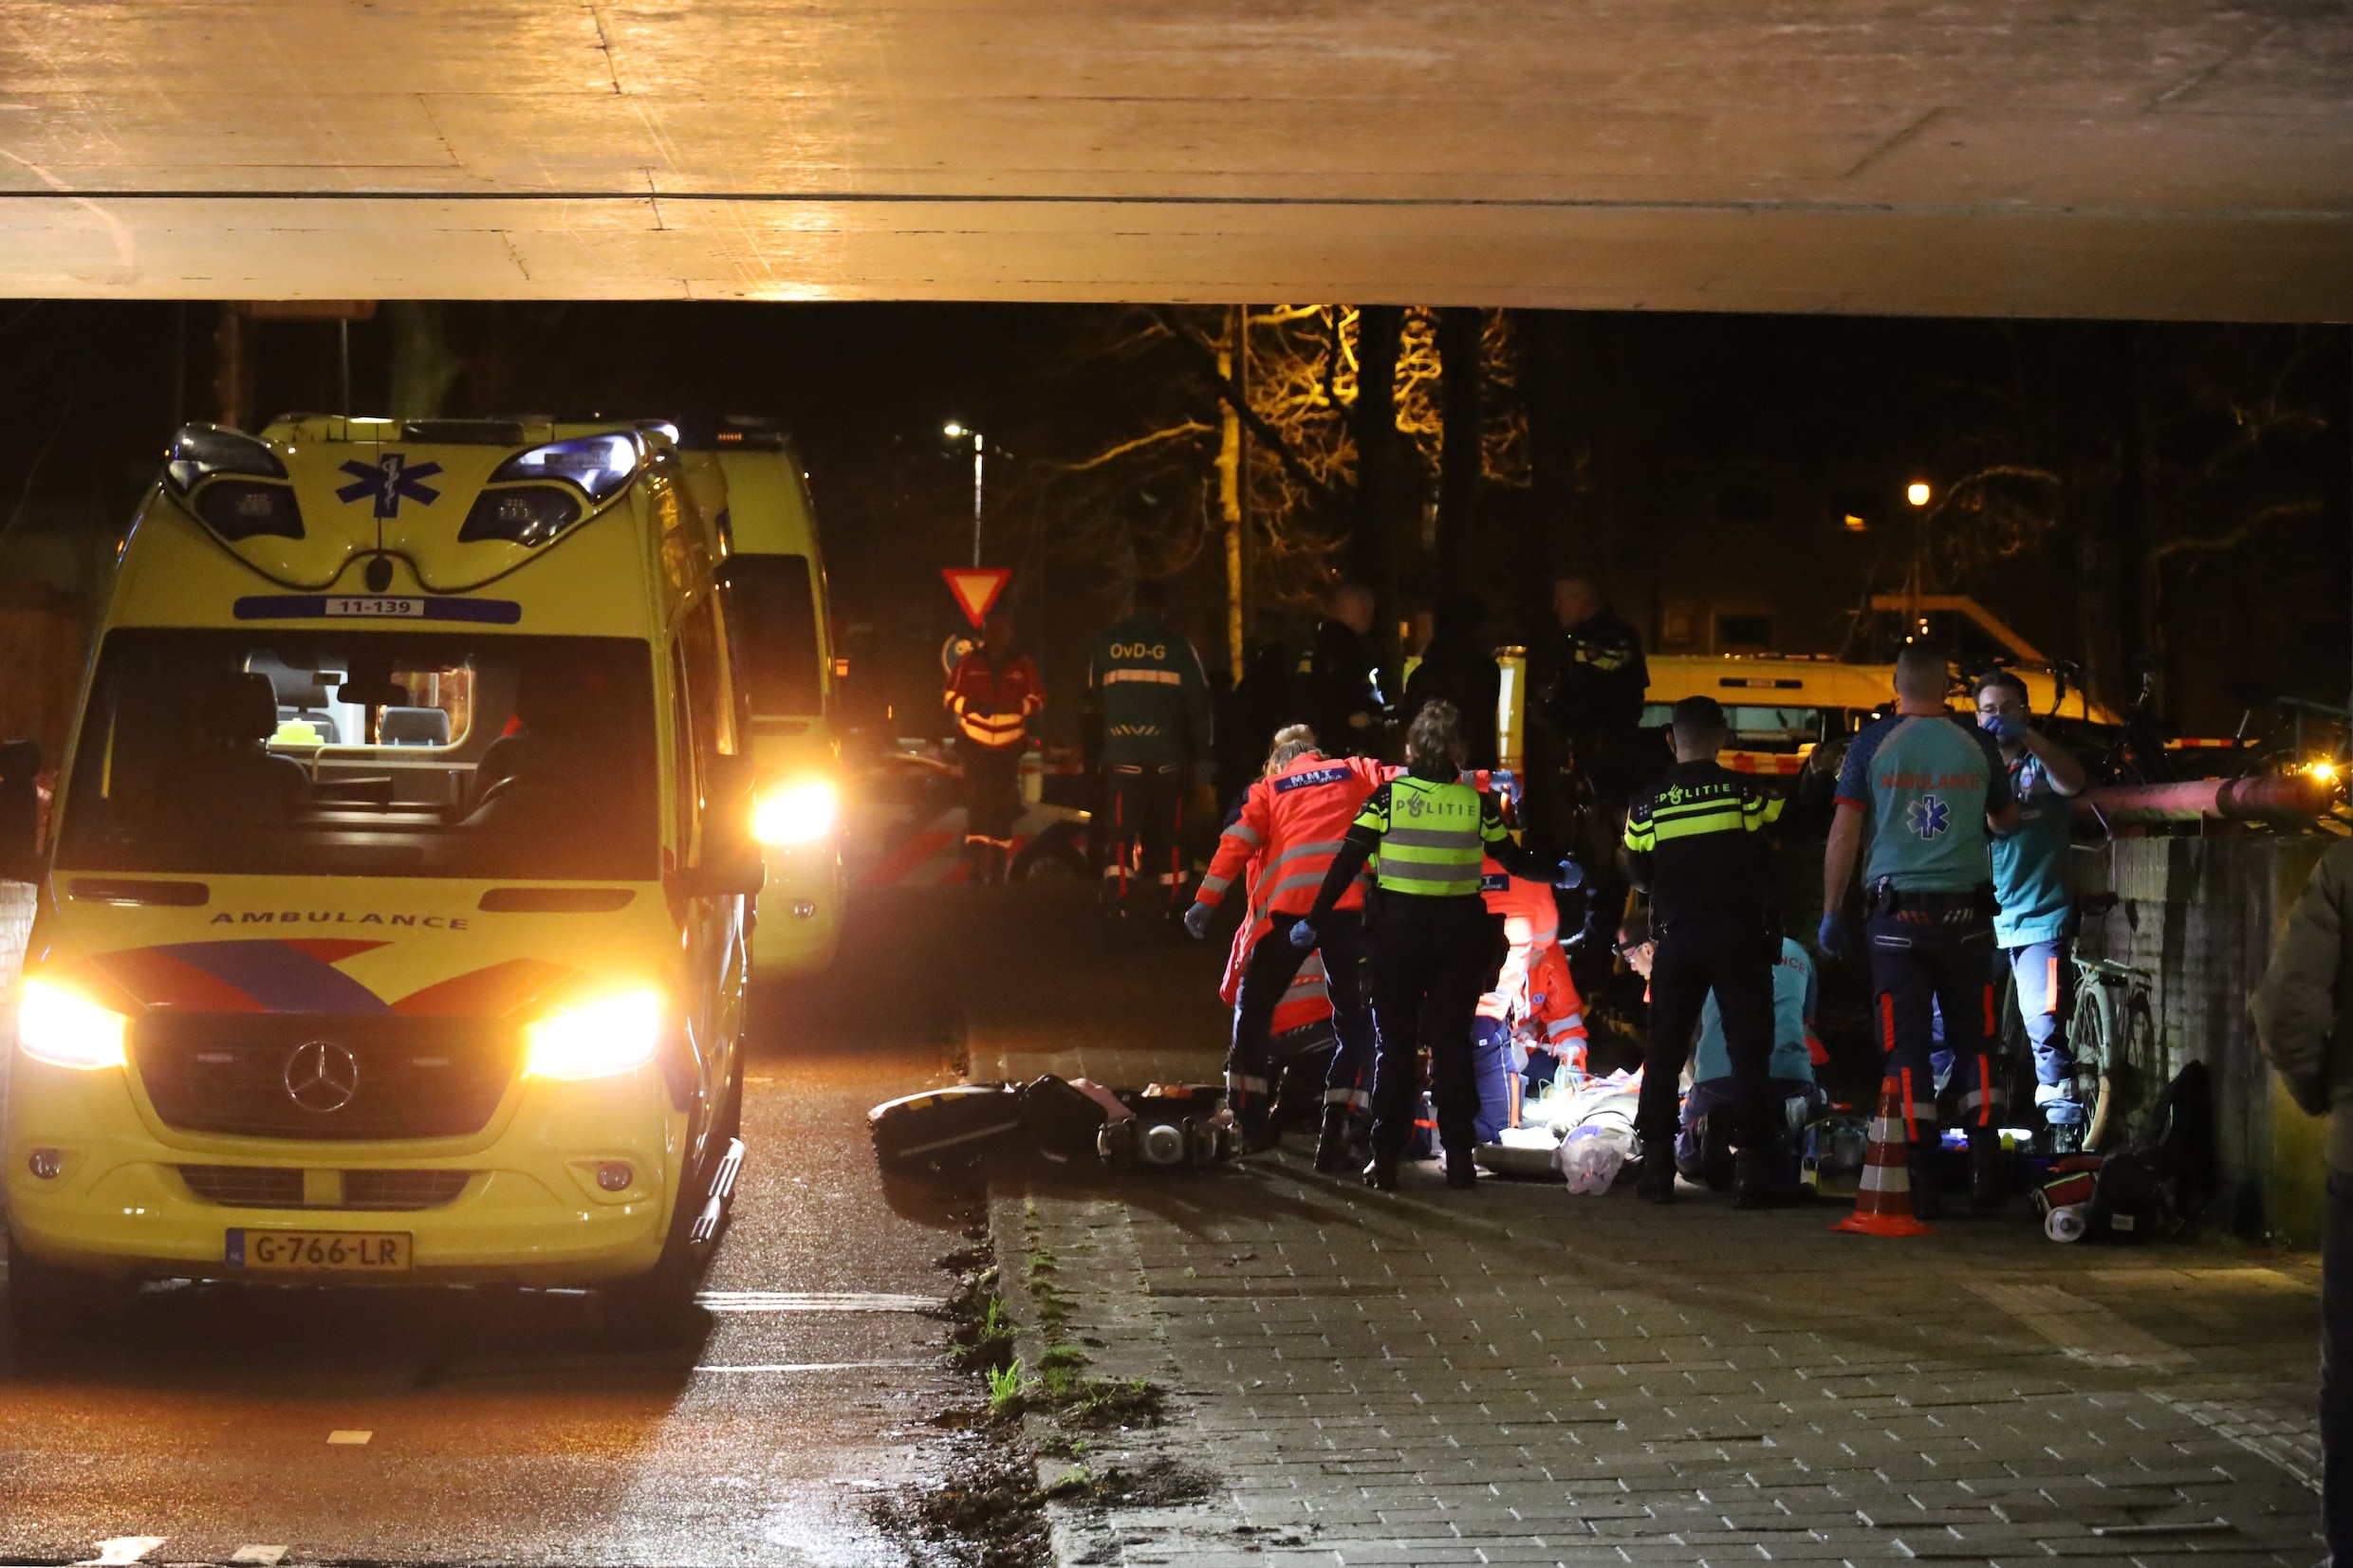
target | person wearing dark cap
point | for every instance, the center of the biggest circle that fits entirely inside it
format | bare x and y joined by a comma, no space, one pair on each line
1696,844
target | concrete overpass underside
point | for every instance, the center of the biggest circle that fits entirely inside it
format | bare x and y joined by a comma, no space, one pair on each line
2168,158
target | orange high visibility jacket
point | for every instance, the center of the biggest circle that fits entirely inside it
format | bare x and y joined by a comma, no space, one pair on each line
1293,822
1533,992
992,706
1307,1000
1555,1012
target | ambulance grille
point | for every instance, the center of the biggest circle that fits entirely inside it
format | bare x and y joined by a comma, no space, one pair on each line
279,1187
257,1074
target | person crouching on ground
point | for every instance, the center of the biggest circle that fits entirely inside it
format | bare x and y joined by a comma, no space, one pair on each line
1433,941
1703,1149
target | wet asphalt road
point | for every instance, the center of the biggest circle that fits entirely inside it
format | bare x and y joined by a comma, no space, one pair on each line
500,1427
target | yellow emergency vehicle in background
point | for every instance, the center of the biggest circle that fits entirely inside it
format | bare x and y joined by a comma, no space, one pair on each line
784,642
1781,706
392,928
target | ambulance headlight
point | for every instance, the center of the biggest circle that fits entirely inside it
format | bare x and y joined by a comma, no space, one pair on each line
797,813
65,1030
600,465
615,1034
200,452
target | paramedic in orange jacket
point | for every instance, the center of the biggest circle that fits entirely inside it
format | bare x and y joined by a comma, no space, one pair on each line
993,693
1292,821
1533,997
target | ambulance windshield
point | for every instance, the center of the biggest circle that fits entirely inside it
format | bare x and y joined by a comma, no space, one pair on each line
366,754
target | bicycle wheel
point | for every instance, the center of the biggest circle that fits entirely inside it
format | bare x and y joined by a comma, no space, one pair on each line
2137,1064
2091,1034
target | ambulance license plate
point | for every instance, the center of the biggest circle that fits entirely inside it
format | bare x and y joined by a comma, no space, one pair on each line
374,604
320,1251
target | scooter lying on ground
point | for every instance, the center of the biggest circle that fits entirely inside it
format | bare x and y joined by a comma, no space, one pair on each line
1161,1125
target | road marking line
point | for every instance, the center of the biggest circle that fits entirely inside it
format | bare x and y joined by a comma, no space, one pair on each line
266,1554
813,1301
344,1435
2187,1527
123,1550
814,1366
2081,1329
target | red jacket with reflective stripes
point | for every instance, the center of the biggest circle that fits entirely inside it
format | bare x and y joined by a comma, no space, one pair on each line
992,706
1294,820
1533,992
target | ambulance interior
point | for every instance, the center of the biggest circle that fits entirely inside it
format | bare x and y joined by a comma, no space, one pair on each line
366,753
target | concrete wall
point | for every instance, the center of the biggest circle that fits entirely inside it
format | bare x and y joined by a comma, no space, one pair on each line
2199,914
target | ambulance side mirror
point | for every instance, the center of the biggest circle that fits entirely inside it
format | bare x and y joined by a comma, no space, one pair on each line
20,811
730,864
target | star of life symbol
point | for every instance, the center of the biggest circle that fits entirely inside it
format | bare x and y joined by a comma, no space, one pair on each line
392,478
1929,817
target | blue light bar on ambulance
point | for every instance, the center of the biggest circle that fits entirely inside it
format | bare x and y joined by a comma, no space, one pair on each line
200,452
600,465
232,481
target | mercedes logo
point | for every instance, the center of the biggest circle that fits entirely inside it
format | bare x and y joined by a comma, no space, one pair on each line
322,1076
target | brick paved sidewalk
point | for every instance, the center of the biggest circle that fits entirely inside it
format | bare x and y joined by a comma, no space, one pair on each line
1517,1374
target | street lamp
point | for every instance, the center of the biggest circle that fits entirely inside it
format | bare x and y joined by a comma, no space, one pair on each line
955,431
1917,492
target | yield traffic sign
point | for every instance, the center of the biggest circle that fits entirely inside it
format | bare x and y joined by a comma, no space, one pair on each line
975,588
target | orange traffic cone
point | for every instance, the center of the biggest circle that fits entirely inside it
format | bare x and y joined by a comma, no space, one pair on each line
1883,1202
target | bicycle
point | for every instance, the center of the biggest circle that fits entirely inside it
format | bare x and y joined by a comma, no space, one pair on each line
2120,1067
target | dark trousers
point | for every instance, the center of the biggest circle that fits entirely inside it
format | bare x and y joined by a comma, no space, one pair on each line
1924,964
1734,959
1431,957
1146,807
991,792
2337,1371
1265,975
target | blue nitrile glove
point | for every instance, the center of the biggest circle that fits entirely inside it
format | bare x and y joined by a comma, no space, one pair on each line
1836,937
1572,875
2009,728
1303,935
1197,921
1507,783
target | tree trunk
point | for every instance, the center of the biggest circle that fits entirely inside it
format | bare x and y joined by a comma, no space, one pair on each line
423,364
1459,456
232,380
1234,480
1373,426
1551,452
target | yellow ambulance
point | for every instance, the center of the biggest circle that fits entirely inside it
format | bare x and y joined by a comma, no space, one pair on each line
392,929
783,643
1781,706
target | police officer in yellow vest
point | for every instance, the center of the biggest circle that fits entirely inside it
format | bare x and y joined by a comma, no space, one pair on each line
1435,947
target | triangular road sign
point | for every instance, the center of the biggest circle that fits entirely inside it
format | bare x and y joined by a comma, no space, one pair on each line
975,588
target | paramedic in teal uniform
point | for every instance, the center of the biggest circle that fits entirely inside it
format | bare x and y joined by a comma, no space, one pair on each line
1934,792
2035,928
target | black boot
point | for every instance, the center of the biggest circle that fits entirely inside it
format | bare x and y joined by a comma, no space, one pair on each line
1380,1175
1927,1199
1657,1182
1331,1143
1988,1172
1755,1176
1255,1126
1462,1171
